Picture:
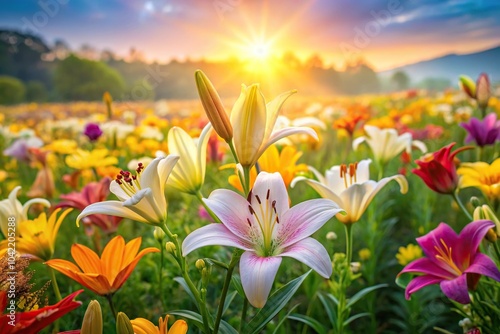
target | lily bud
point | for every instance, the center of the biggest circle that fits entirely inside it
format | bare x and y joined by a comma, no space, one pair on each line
213,106
483,91
108,100
170,247
92,320
485,212
158,234
200,264
123,324
468,86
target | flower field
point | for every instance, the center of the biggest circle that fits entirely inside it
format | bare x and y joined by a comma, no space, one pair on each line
286,214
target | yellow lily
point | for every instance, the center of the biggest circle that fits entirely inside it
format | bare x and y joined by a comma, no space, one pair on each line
253,123
82,159
188,174
483,176
37,237
144,326
11,210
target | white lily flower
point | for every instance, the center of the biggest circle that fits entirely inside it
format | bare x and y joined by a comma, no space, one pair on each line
267,229
189,173
142,196
386,143
350,187
253,124
11,209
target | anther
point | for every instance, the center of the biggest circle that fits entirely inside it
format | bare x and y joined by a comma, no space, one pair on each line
252,211
258,199
249,223
268,193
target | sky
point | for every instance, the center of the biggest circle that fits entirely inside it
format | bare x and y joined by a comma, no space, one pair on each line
384,33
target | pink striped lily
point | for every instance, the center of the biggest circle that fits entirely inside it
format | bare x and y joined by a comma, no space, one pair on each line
266,228
452,260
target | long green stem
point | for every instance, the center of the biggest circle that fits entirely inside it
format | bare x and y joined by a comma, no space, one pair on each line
182,264
233,151
199,196
461,205
54,284
243,314
225,288
111,305
344,280
246,181
160,278
497,250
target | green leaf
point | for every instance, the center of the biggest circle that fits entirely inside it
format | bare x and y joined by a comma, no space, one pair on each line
236,282
362,293
274,304
284,318
311,322
354,317
330,311
404,279
228,301
185,286
194,317
197,320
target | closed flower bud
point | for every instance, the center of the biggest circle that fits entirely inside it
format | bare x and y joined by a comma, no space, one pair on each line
92,320
355,267
468,86
485,212
200,264
159,234
331,236
483,91
213,106
170,247
123,324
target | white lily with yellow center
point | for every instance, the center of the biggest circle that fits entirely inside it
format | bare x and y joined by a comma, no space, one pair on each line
350,187
141,195
253,124
188,174
12,211
386,143
266,228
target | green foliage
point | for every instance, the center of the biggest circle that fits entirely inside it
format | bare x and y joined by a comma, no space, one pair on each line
83,79
36,92
12,90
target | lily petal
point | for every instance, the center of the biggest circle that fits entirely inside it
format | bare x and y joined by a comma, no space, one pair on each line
456,289
313,254
483,265
112,208
257,277
210,235
304,219
232,210
420,282
282,133
470,238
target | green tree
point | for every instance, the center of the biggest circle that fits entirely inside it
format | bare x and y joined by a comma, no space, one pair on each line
36,91
12,90
400,80
83,79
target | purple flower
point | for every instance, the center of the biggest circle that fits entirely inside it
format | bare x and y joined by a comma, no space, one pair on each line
92,131
452,260
266,228
485,132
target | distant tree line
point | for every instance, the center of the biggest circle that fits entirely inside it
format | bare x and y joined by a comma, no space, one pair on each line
32,71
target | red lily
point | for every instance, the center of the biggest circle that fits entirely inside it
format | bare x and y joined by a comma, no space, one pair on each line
34,321
92,193
438,169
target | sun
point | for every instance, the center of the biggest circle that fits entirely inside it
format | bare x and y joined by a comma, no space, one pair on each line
260,50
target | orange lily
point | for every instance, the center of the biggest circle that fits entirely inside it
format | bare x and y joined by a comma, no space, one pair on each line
107,274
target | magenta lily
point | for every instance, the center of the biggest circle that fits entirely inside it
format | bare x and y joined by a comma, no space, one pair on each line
266,228
485,132
452,260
